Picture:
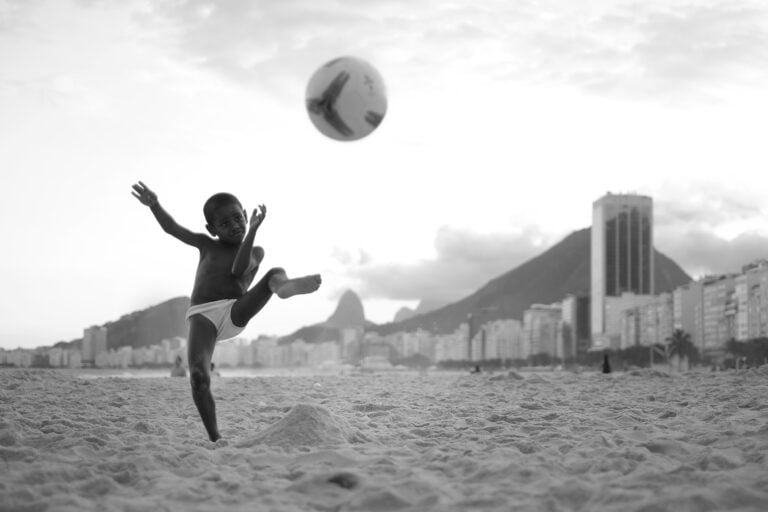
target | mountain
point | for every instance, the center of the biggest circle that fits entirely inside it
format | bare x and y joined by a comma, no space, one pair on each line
404,313
425,306
149,326
561,270
349,314
145,327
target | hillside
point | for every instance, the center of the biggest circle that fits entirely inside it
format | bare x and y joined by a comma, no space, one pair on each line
149,326
561,270
145,327
425,306
349,314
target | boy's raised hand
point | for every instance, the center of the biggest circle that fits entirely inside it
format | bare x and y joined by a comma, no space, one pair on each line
144,194
257,217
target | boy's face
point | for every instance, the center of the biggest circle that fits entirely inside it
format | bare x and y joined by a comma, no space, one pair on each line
229,223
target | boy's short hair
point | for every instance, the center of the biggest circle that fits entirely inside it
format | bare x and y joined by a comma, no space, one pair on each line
216,201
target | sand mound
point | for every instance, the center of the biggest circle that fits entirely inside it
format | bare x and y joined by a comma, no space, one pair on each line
510,375
649,372
304,425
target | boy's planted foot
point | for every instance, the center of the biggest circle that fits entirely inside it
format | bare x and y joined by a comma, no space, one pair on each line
298,286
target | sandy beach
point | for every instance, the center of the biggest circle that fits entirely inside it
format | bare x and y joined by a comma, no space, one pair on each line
642,440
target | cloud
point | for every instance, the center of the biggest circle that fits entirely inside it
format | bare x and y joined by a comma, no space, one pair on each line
668,49
13,14
702,252
665,50
695,48
710,228
704,205
465,260
637,49
274,46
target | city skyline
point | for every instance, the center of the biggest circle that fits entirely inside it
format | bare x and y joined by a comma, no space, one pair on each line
632,300
504,123
711,312
617,198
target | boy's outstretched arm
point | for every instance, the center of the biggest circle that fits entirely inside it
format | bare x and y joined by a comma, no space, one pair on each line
243,257
148,198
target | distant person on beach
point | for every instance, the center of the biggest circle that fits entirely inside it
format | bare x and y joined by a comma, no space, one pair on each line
213,370
221,304
606,364
178,370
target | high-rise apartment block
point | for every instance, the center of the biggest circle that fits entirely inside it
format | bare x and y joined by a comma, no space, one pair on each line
751,294
94,342
621,257
541,323
575,333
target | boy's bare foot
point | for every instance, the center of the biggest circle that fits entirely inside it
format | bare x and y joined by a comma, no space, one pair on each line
299,285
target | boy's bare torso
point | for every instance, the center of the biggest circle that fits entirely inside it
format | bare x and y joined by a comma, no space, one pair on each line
214,279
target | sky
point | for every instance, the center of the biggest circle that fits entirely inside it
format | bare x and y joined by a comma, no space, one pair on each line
505,121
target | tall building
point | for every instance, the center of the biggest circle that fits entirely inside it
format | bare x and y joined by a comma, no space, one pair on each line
687,301
541,323
751,291
94,342
575,331
719,312
621,256
650,323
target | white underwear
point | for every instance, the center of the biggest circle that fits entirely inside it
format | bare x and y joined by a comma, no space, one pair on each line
218,312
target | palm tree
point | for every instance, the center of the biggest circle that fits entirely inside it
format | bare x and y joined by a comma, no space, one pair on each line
680,345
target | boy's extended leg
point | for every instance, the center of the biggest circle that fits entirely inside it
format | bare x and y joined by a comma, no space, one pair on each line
274,281
202,340
284,287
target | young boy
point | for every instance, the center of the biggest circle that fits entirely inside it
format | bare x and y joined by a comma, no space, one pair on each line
221,304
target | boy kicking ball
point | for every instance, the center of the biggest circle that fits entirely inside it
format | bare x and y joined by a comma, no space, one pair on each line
221,304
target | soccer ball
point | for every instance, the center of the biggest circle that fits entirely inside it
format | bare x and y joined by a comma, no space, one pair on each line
346,99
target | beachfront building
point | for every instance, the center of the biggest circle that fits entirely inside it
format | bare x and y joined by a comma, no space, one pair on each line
298,354
301,353
719,312
574,332
74,359
120,358
687,301
175,346
504,336
326,352
647,324
233,353
58,357
18,357
351,339
453,346
541,324
497,339
660,316
153,355
94,343
630,328
409,344
751,296
621,259
477,347
614,312
376,347
267,352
